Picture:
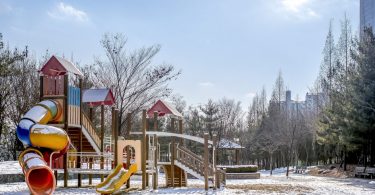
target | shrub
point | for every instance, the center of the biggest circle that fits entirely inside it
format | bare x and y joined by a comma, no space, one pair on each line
248,169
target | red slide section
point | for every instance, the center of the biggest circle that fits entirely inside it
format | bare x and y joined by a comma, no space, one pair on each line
38,175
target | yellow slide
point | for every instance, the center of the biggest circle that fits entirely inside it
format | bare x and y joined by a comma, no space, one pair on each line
116,179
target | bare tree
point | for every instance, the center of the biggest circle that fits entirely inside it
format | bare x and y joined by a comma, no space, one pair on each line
179,102
136,83
268,138
230,116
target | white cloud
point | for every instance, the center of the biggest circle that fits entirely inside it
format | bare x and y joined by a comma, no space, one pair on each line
206,84
67,12
298,9
250,95
294,5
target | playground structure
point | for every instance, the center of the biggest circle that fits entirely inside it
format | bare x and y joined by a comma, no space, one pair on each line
71,135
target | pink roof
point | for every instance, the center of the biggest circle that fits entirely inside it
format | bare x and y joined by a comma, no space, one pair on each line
59,66
97,97
163,108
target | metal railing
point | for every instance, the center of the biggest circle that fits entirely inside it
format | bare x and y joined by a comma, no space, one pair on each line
91,160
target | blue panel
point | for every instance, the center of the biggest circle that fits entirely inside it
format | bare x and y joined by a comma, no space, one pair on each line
23,131
74,96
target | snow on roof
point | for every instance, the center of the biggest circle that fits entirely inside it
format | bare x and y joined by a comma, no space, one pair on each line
163,108
59,66
96,97
227,144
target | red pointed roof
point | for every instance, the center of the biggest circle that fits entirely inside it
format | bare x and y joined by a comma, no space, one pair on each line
59,66
163,108
97,97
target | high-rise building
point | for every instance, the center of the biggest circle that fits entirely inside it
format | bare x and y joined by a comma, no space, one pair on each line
367,14
313,103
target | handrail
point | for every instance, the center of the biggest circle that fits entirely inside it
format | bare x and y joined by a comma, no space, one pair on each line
190,161
168,134
191,153
91,129
193,161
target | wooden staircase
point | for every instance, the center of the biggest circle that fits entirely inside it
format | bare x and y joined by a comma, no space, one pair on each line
179,176
74,138
193,164
90,140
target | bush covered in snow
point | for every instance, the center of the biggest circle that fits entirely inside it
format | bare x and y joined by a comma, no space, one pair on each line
7,142
242,169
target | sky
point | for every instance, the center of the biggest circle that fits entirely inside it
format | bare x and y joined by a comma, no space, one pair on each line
224,48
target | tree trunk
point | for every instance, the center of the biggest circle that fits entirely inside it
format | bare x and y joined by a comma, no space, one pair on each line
288,157
271,163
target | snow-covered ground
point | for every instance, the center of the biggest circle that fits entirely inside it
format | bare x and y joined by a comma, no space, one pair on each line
276,184
10,167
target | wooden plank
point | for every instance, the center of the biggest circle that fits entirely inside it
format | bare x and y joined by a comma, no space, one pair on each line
80,133
66,126
102,140
156,153
172,151
128,126
205,136
114,135
144,121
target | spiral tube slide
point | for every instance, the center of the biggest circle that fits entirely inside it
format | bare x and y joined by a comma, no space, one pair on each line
37,137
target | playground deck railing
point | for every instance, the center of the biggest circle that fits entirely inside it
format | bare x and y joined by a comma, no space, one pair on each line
90,160
87,124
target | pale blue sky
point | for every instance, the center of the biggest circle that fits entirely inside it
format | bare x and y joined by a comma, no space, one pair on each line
224,48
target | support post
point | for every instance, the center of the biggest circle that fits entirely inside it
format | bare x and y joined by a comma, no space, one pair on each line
172,151
144,140
205,136
91,113
147,152
114,135
128,126
41,88
181,131
90,167
102,140
91,116
216,178
181,143
66,126
156,158
156,153
237,157
79,177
